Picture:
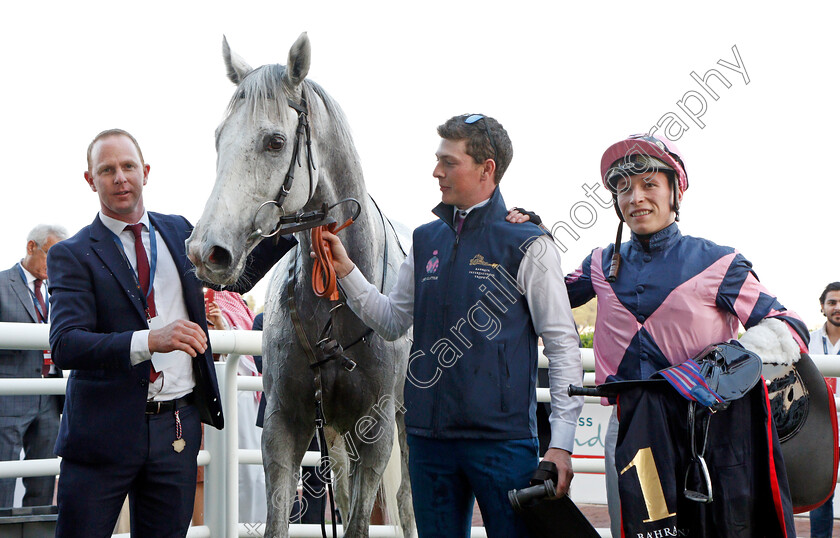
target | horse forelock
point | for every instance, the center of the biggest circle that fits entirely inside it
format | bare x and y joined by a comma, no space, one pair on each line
265,90
259,90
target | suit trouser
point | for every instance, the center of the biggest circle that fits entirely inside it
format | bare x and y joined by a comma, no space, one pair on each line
161,488
35,432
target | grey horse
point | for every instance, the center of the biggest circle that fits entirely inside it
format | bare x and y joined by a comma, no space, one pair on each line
362,408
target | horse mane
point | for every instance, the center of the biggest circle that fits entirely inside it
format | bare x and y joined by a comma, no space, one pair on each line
266,85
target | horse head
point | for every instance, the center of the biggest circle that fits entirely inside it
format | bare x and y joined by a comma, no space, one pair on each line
256,147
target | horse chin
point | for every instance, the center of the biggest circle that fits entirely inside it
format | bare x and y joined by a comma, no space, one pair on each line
221,276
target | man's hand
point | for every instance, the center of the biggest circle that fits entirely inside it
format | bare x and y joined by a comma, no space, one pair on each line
214,315
341,261
563,461
516,217
180,335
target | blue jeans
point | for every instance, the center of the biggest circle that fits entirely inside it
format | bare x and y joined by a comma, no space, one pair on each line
448,475
822,519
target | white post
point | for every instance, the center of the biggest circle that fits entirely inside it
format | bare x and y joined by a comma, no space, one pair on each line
232,441
215,484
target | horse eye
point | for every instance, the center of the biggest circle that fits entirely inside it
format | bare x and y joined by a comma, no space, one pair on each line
275,142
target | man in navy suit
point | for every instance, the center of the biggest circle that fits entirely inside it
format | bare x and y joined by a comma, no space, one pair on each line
28,421
128,319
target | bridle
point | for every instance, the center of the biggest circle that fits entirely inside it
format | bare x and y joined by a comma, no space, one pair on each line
300,220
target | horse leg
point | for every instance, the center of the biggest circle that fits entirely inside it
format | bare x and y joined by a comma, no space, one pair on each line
340,465
404,500
282,450
367,470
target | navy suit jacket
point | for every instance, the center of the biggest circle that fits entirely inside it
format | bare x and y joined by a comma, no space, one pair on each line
95,309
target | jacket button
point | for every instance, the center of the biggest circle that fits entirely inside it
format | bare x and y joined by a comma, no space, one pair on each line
640,319
646,258
640,289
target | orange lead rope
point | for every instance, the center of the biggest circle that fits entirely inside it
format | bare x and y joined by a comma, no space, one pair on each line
323,271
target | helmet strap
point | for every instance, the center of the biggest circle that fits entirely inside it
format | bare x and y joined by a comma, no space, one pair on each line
615,262
675,189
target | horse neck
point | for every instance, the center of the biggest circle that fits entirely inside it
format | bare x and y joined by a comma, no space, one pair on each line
364,239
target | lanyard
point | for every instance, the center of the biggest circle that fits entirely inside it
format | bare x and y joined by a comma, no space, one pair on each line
44,316
153,260
825,346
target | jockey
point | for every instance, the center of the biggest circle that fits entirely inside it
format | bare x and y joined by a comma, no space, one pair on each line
662,299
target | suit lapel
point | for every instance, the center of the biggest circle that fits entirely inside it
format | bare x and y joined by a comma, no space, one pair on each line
22,292
104,245
174,236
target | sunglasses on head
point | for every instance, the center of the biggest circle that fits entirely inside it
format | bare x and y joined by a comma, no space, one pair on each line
472,118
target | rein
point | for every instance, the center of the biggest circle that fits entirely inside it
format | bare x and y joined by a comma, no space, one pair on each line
323,270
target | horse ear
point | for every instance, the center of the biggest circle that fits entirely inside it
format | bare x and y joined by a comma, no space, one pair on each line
237,68
298,65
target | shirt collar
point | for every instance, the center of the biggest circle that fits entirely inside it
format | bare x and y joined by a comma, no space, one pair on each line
467,211
30,278
660,240
117,226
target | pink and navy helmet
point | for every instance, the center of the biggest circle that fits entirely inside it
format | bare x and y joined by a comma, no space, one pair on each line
641,153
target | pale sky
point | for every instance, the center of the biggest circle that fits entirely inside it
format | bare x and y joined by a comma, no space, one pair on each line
566,81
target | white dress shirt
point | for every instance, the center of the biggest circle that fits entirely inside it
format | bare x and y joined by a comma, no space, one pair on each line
30,283
821,345
177,379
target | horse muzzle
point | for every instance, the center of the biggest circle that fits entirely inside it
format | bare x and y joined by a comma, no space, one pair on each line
213,263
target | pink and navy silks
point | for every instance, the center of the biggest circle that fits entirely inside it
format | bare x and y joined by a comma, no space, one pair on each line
673,297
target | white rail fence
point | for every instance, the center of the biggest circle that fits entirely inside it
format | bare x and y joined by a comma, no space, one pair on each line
221,455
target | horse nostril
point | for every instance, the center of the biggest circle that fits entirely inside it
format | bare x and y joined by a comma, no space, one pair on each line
219,256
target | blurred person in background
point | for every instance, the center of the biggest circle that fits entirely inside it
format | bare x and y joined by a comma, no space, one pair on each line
826,341
28,421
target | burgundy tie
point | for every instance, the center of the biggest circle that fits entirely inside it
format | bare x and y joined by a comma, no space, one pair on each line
143,277
41,311
459,220
41,307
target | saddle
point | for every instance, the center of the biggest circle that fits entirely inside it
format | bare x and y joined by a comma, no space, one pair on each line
718,375
801,403
806,422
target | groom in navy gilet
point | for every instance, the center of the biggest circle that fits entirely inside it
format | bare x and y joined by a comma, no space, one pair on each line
128,320
479,291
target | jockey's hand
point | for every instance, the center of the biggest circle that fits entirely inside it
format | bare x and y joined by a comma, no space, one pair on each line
517,215
341,261
563,461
